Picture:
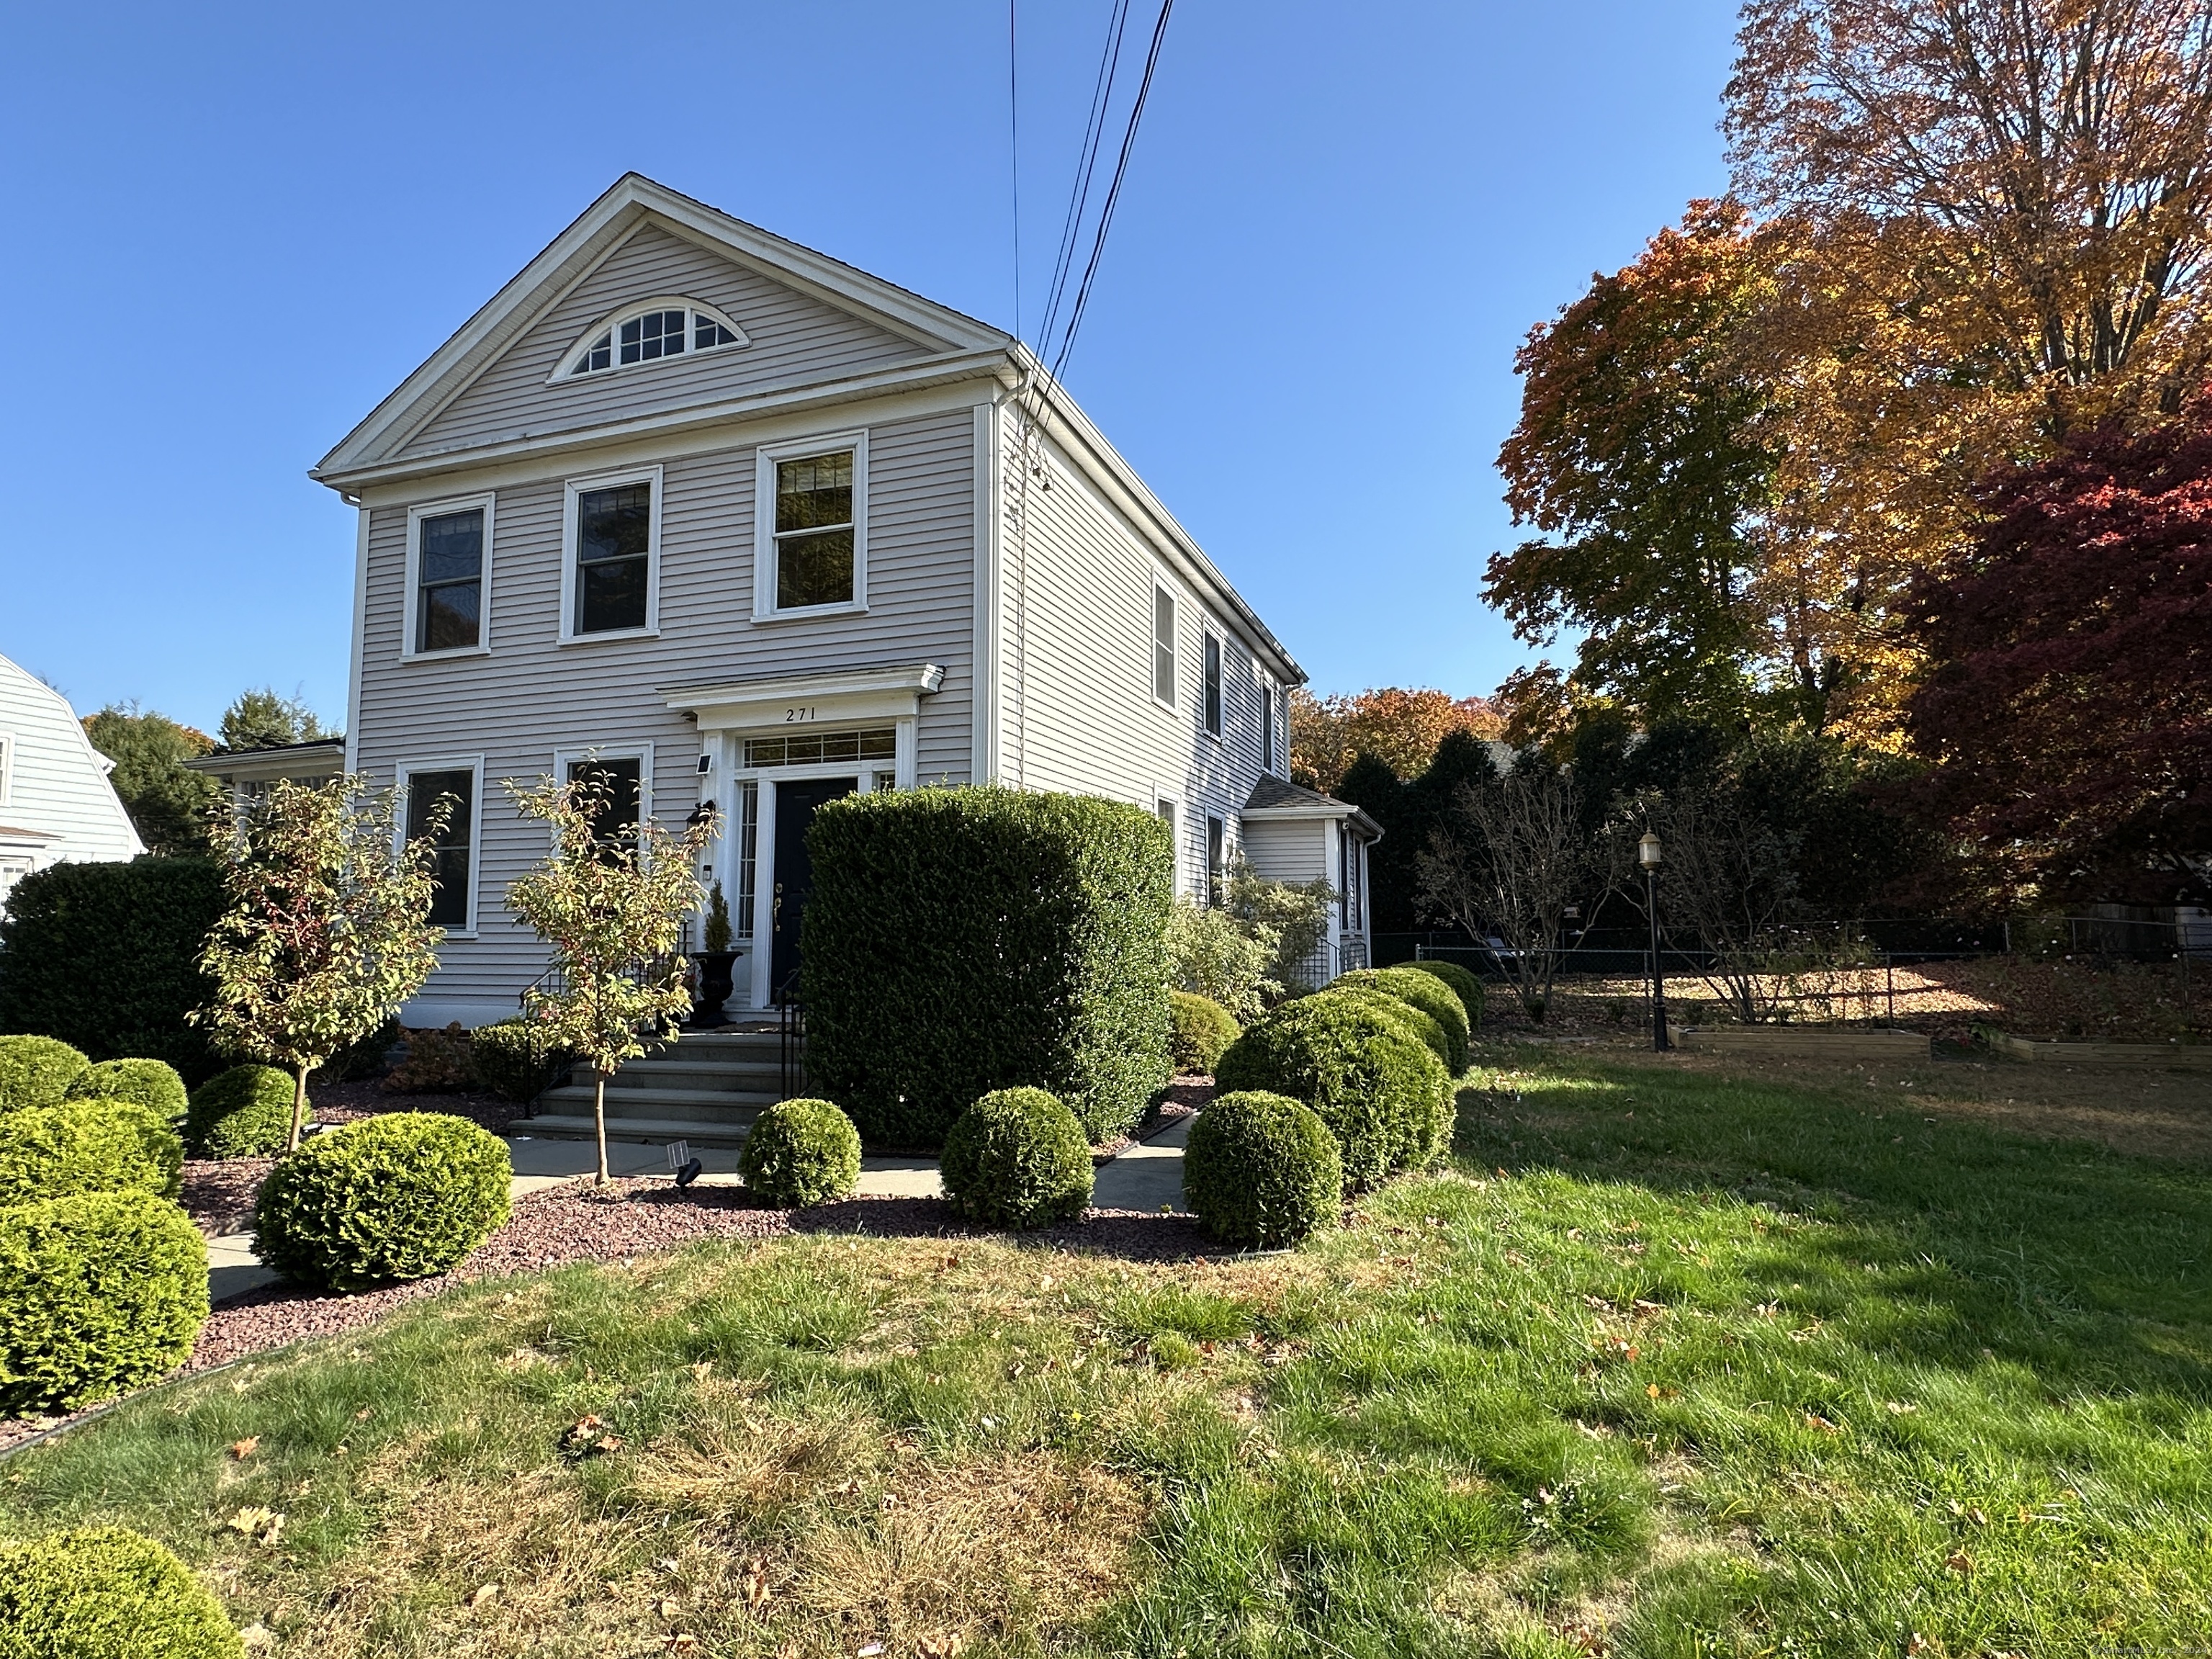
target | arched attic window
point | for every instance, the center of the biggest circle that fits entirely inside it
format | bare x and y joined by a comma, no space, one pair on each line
644,333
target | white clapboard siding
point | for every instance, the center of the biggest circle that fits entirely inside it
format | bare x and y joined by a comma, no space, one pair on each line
1077,650
794,338
532,696
1301,851
56,803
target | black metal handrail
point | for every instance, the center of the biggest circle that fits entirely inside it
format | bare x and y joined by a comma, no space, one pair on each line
791,1028
554,980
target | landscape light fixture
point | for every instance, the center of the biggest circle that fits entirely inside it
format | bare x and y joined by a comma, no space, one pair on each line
1650,854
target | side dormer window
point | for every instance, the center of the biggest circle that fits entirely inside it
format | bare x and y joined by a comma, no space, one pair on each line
660,328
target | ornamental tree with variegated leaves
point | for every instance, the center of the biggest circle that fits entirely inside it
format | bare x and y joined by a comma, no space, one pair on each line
611,903
328,931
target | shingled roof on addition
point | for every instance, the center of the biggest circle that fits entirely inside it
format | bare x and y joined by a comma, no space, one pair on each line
1273,794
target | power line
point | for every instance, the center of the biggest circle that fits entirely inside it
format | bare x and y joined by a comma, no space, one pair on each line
1114,191
1078,195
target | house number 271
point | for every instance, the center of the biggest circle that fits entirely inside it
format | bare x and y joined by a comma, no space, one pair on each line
791,714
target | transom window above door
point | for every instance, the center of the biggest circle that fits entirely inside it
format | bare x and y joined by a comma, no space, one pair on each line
649,332
823,748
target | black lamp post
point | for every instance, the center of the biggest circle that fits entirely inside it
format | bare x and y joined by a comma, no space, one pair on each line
1648,854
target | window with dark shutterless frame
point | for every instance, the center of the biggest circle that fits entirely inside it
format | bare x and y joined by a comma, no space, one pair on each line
449,860
815,533
614,557
449,556
1216,863
1212,683
1163,643
613,794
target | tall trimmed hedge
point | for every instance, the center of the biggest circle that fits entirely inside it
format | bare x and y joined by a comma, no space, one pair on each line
99,1293
106,957
107,1593
963,941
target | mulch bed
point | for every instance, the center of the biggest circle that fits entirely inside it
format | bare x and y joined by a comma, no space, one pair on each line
1185,1098
622,1221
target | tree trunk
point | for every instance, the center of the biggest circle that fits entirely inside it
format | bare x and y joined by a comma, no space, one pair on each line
299,1104
599,1119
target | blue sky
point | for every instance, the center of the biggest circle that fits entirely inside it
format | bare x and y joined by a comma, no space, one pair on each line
232,230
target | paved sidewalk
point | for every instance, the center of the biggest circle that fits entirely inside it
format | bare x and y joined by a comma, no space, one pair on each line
1148,1175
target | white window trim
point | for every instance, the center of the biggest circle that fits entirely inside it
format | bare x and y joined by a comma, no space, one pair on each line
1161,797
1207,631
472,764
1206,858
416,514
1162,588
1270,734
565,369
765,459
7,766
640,752
571,489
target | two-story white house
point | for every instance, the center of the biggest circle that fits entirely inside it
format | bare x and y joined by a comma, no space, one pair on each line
56,805
736,523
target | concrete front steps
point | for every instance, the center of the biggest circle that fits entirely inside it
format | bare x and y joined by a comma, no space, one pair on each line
706,1087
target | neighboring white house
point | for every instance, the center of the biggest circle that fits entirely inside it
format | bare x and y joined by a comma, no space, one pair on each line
736,523
247,773
56,804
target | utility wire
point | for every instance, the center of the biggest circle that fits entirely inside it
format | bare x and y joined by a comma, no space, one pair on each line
1113,191
1078,196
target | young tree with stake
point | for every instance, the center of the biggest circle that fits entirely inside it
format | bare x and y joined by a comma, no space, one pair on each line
328,931
611,905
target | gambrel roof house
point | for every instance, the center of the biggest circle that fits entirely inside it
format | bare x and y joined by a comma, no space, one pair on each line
56,803
728,520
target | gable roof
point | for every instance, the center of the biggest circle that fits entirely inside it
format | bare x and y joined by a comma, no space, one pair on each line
634,200
1294,800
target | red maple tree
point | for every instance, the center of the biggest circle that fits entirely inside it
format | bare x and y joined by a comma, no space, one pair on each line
2069,712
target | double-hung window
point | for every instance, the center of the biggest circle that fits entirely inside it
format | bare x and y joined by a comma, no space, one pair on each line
1164,646
811,543
1266,726
1166,809
453,842
449,584
611,584
612,794
1212,687
1216,863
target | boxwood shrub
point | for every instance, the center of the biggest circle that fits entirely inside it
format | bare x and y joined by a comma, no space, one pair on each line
153,1083
107,1593
1202,1029
246,1112
1262,1170
106,957
1353,1059
960,940
88,1146
801,1153
1418,1022
99,1293
1018,1158
37,1071
400,1196
514,1059
1465,985
1426,993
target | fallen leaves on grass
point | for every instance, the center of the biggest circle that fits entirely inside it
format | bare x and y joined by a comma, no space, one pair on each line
242,1450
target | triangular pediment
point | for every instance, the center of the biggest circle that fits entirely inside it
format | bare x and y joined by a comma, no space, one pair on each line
800,317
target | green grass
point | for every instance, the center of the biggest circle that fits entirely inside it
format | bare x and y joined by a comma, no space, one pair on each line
1678,1363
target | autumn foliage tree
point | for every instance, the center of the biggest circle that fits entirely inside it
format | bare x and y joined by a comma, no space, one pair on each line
2068,713
1400,728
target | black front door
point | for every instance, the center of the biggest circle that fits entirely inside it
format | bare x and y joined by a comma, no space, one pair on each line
795,802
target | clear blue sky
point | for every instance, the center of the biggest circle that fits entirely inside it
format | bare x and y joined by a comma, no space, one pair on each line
231,230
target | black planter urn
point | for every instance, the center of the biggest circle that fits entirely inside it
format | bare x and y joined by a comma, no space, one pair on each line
714,987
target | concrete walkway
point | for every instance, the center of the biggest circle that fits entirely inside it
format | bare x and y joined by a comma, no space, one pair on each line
1146,1176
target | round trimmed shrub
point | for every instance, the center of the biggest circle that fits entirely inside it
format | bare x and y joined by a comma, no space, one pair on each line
1018,1158
88,1146
1203,1028
36,1071
99,1293
107,1593
800,1153
1428,994
246,1112
153,1083
1262,1170
1417,1022
1464,986
1353,1058
400,1196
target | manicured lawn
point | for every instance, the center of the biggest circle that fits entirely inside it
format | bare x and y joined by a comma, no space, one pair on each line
1672,1363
